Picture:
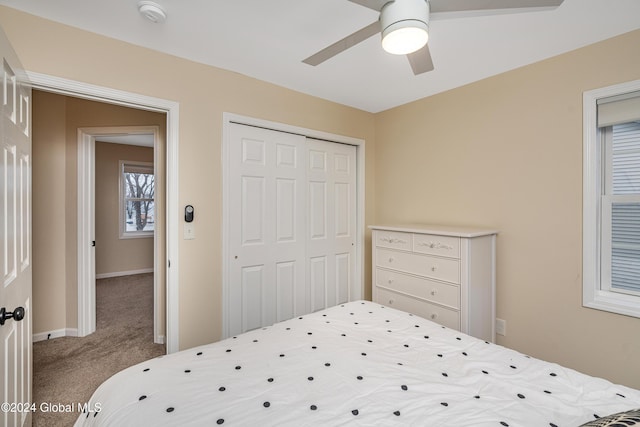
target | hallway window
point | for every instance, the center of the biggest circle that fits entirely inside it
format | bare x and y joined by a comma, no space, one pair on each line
137,189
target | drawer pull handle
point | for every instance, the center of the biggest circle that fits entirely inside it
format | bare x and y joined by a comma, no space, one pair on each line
434,316
392,240
434,268
434,292
391,259
390,281
390,302
435,245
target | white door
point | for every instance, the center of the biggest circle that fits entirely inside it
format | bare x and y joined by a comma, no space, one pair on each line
292,226
15,235
267,239
331,231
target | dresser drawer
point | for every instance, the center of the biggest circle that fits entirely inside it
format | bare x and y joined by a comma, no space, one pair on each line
438,292
423,265
392,239
444,316
437,245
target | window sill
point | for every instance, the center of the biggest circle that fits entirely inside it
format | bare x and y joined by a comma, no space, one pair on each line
628,305
141,235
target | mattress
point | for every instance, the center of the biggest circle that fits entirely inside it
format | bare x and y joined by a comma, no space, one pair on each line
356,364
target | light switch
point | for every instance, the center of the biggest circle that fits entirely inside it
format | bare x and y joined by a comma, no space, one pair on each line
189,231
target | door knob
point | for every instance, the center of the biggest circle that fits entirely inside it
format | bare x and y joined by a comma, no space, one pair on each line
17,314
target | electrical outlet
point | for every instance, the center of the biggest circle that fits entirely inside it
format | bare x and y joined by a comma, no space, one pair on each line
501,327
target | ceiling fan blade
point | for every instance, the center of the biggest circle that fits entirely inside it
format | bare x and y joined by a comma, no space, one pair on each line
371,4
421,61
445,6
344,44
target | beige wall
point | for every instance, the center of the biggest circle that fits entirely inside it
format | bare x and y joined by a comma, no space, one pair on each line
56,120
203,93
113,254
506,152
49,209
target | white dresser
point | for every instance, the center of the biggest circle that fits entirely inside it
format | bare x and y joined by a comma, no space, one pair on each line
445,274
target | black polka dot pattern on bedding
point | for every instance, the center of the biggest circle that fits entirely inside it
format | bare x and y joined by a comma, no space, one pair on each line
364,348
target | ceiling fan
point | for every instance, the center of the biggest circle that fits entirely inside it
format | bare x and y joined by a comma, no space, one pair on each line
404,25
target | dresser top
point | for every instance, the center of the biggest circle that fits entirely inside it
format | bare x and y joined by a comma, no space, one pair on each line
442,230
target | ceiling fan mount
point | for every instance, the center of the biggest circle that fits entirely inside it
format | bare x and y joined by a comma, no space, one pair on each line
402,20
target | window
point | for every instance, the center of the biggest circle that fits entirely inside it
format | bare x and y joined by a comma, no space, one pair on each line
137,188
611,197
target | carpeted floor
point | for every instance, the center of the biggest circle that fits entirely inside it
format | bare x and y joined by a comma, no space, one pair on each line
68,370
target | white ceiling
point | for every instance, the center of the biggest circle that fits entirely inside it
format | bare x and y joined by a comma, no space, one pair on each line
267,39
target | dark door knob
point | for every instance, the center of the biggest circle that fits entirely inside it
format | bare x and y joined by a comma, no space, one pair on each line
17,315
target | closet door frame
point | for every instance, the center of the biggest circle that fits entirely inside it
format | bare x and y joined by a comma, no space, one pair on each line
357,291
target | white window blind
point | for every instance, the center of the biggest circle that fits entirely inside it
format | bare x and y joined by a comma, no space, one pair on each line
622,200
618,109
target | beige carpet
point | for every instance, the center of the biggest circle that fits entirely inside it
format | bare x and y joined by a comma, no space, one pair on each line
68,370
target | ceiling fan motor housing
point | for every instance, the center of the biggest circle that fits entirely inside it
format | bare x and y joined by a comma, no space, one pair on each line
412,15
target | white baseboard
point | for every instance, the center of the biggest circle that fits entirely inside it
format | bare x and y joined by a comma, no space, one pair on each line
124,273
65,332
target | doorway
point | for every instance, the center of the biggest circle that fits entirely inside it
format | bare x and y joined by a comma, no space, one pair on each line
169,264
122,247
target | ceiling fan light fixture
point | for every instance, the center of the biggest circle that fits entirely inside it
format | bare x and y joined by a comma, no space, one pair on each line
405,39
404,26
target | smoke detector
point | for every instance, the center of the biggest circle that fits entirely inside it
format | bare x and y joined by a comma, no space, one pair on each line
152,11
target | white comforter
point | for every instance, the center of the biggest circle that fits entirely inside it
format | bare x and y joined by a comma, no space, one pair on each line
355,364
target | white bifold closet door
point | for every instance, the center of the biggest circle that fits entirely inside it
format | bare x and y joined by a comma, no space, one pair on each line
292,226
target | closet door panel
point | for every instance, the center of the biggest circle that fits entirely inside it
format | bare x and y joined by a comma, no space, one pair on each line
331,167
267,228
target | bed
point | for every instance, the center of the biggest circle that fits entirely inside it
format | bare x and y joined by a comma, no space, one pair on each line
358,363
